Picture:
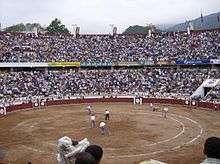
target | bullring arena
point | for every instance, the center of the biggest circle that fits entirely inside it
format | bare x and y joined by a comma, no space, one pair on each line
136,133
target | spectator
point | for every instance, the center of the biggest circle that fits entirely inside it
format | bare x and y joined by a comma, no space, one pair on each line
85,158
96,151
68,149
212,151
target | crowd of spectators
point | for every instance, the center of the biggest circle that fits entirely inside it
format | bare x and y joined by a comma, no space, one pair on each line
151,82
214,95
172,83
121,48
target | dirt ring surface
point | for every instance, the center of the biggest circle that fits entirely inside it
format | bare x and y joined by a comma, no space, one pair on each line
136,133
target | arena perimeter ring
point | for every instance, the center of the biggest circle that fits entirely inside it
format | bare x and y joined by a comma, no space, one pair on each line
136,133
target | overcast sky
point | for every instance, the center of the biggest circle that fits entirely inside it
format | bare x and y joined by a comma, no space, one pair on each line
94,16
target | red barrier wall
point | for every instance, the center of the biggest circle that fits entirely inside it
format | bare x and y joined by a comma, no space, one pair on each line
209,105
19,107
206,105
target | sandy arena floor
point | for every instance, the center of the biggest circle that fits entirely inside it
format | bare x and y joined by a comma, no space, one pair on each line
136,133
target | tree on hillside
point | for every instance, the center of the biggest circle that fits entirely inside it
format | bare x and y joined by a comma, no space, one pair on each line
57,27
136,29
15,28
21,27
139,29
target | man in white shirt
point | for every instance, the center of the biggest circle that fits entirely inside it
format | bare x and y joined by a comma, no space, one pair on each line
92,118
103,128
151,106
89,110
107,114
165,111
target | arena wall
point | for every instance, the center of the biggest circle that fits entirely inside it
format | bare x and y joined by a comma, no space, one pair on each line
200,105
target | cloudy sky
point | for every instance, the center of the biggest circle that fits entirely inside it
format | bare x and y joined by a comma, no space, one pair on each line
94,16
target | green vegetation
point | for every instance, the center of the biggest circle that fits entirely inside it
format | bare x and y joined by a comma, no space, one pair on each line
136,29
15,28
56,27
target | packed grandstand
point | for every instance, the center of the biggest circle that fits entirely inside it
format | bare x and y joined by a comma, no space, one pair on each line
106,48
164,65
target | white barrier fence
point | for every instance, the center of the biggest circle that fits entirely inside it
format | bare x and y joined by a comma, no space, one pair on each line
138,100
